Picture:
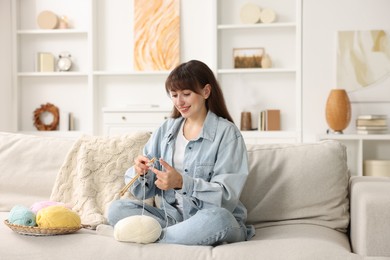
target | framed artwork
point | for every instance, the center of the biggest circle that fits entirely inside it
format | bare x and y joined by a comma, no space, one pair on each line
156,35
363,58
247,57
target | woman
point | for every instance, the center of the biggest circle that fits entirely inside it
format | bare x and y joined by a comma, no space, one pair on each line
202,167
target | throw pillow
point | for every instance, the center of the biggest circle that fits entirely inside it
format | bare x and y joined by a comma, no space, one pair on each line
298,183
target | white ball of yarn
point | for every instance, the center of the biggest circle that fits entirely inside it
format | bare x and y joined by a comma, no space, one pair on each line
137,229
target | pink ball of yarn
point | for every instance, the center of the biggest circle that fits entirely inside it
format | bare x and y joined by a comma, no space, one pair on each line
37,206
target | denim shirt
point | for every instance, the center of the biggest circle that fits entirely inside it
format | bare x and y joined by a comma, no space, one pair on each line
215,168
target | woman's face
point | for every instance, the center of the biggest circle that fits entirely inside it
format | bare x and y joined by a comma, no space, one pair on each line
188,103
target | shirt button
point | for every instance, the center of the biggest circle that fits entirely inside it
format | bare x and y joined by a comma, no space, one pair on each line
190,147
184,193
186,170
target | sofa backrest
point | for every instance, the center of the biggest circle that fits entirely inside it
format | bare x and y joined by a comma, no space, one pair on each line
287,184
298,183
28,167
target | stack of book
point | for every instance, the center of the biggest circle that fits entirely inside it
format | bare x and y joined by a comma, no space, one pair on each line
269,120
371,124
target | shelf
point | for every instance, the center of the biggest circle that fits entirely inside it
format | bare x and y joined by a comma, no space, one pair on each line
361,148
263,137
57,31
355,137
256,89
131,73
269,134
104,75
137,108
255,26
52,74
243,71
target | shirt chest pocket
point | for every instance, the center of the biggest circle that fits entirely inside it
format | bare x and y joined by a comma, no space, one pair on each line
204,171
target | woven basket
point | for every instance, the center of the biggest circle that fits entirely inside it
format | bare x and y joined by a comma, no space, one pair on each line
37,231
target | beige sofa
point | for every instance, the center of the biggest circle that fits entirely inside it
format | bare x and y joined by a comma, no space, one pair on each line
300,198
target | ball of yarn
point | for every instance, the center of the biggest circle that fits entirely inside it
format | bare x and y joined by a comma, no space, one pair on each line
137,229
21,215
37,206
58,217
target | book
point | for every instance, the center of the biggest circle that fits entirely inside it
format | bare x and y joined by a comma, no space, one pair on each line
64,121
371,127
269,120
371,132
372,117
371,122
45,62
272,122
71,122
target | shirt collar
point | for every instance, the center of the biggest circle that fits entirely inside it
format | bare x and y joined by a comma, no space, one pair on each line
210,126
208,132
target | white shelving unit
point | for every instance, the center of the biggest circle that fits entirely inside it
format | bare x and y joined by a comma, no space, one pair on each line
32,88
260,89
361,148
103,75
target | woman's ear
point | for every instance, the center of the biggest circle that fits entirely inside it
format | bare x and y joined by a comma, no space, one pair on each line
207,91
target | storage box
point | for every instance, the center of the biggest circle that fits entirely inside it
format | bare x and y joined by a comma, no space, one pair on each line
376,168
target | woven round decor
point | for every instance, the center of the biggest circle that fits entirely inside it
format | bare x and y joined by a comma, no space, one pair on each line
46,108
37,231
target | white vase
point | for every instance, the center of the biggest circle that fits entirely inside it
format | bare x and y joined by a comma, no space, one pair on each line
266,62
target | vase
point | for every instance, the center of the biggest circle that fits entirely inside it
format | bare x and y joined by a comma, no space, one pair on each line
246,121
338,110
266,62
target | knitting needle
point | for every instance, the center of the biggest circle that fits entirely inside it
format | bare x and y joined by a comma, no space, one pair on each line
128,185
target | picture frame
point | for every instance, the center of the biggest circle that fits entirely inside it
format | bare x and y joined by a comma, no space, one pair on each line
247,57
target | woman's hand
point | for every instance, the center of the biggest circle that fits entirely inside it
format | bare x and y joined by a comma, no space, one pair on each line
168,179
141,164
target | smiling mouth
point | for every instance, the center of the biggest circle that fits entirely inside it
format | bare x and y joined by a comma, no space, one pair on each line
184,109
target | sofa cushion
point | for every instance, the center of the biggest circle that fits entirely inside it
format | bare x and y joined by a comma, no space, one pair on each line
290,242
271,243
28,167
298,183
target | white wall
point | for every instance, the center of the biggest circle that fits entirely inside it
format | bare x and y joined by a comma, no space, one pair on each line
321,21
5,67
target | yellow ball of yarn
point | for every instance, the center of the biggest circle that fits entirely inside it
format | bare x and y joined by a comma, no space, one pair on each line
58,217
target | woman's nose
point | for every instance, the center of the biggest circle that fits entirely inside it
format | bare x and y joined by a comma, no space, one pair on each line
180,100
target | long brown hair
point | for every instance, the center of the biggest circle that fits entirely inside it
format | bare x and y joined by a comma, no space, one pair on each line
194,75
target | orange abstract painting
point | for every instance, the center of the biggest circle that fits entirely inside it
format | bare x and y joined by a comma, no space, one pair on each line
156,34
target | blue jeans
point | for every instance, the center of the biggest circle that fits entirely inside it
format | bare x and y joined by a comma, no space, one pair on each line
207,227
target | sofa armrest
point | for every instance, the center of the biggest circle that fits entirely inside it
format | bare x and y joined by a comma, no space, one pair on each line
370,215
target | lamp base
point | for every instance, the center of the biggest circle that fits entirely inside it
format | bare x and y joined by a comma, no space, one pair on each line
336,132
